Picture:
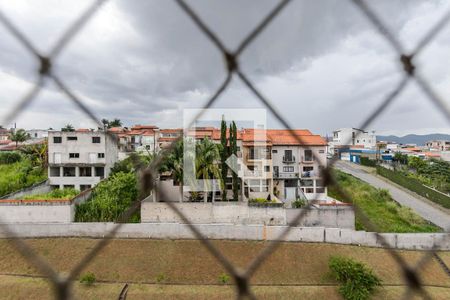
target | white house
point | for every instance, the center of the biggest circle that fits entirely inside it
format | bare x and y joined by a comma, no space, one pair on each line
80,159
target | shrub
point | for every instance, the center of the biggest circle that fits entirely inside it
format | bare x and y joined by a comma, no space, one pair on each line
110,198
161,278
67,193
365,161
9,157
88,278
299,203
224,278
357,280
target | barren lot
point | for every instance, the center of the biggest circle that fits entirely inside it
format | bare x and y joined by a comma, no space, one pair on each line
184,269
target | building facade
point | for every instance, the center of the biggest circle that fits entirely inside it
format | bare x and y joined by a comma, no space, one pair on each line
80,159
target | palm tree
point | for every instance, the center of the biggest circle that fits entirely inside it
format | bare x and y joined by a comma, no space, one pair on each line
206,158
68,128
19,135
174,164
115,123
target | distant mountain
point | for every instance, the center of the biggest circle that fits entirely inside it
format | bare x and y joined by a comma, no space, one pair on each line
420,140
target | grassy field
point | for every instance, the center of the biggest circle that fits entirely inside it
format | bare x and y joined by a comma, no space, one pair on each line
188,271
56,194
16,176
379,207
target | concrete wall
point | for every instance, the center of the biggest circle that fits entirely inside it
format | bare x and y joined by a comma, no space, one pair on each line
420,241
36,212
38,188
241,213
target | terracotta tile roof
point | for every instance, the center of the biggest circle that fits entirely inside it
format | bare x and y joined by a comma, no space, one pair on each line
83,130
171,130
142,127
432,154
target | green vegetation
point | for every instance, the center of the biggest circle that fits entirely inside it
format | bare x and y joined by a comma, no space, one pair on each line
88,278
224,154
365,161
379,207
264,202
224,278
160,278
299,203
55,194
9,157
110,198
233,150
207,154
19,136
414,185
357,280
19,175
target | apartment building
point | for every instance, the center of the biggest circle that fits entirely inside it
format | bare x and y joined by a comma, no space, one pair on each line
80,159
351,137
438,145
38,133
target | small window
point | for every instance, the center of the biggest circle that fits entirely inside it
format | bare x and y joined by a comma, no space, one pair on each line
288,169
72,138
267,168
74,155
101,155
320,190
274,151
321,151
57,139
96,140
308,169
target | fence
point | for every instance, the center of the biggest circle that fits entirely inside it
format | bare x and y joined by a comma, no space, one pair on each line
62,284
415,186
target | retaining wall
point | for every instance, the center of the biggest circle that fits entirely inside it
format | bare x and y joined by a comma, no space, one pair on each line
38,188
419,241
242,213
36,211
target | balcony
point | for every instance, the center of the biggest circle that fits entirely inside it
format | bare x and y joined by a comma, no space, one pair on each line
258,156
285,175
309,174
288,159
253,173
307,159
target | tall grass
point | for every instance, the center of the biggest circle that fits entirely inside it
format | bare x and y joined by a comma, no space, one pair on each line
65,194
18,175
379,207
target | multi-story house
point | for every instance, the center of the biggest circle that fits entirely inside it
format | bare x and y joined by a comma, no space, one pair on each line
167,136
438,145
38,133
351,137
80,159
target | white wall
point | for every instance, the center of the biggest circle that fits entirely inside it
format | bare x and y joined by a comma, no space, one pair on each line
421,241
40,213
242,213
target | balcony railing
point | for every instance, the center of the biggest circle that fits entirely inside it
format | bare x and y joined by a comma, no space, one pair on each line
307,159
258,156
288,159
309,174
285,175
253,173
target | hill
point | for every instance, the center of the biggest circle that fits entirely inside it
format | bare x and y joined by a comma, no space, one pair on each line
420,140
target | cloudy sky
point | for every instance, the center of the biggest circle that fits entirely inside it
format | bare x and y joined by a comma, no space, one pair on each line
321,63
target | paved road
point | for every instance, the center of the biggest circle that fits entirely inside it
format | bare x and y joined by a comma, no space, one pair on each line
427,211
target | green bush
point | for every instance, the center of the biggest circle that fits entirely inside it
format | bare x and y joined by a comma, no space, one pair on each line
263,202
299,203
110,198
67,193
357,280
9,157
415,186
88,278
365,161
224,278
19,175
161,278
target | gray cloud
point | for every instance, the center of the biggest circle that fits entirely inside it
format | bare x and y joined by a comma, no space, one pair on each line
320,62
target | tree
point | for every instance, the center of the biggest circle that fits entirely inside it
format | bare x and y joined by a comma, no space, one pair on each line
114,123
223,157
416,163
37,153
174,163
233,150
68,128
207,154
19,136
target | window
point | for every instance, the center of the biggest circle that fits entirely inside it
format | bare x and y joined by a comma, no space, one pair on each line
84,187
320,190
69,186
308,155
101,155
309,190
266,168
100,172
74,155
321,151
72,138
288,169
69,171
308,169
57,139
276,170
55,172
274,151
287,155
96,140
306,182
85,171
